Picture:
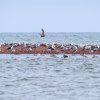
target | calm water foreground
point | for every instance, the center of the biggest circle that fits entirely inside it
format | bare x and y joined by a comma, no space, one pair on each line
50,77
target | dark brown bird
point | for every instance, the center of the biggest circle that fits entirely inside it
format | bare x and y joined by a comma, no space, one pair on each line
42,34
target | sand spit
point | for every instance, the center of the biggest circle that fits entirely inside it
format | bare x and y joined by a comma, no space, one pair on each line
54,48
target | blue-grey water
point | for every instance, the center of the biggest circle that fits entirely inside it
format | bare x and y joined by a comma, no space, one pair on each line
50,77
60,37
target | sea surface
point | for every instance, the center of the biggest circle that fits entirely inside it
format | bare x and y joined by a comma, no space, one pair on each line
50,77
80,38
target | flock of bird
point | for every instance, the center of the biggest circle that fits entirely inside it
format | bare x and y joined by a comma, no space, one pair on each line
51,47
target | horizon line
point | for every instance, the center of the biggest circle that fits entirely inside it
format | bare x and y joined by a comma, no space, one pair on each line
52,31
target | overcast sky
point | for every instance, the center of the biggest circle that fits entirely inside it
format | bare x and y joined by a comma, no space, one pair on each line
52,15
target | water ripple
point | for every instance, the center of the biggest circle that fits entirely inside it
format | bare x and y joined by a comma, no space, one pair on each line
48,77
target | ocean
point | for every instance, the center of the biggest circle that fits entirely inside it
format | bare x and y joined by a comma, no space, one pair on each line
50,77
81,38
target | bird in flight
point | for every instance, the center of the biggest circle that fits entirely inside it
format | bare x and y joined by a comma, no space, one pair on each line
43,33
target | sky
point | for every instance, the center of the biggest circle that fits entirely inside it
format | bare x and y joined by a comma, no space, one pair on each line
52,15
